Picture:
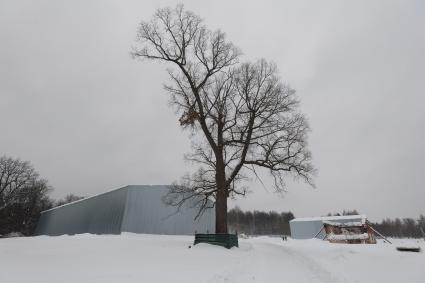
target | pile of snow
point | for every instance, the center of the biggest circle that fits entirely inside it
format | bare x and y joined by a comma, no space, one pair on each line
344,237
346,224
154,258
12,235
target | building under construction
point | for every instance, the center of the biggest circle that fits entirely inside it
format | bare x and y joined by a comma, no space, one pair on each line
351,229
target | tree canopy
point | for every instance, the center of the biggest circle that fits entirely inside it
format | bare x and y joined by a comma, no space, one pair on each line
241,115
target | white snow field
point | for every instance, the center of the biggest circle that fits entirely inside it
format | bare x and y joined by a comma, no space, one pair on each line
154,258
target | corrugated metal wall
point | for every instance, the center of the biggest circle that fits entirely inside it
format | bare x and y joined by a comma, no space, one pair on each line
146,213
306,229
101,214
137,209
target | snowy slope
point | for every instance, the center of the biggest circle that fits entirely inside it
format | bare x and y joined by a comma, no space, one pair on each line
153,258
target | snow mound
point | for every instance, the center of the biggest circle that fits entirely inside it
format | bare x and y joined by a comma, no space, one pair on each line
155,258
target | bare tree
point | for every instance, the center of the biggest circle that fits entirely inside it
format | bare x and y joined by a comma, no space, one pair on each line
242,116
15,176
68,199
23,195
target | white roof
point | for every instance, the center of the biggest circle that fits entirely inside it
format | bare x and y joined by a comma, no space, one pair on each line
331,218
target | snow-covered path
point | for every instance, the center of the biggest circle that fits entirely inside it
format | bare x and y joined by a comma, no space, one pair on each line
153,258
271,259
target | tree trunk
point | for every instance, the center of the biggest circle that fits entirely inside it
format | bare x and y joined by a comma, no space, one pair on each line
221,200
221,212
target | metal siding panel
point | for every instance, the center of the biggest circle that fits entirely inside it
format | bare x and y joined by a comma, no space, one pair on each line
306,229
100,214
146,213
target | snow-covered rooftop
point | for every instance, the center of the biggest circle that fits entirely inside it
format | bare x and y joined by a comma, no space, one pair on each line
345,224
331,218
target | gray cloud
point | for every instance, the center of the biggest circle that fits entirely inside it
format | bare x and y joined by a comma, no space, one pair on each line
90,118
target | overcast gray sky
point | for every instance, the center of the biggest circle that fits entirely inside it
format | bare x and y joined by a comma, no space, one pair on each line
91,119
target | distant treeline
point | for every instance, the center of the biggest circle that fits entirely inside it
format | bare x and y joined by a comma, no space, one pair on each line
396,228
274,223
259,222
402,228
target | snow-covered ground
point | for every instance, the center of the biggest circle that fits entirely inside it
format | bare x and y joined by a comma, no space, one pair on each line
153,258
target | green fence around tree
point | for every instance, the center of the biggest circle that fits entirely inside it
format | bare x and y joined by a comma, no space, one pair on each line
224,240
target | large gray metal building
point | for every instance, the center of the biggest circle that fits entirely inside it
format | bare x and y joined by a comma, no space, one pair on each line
308,228
137,209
